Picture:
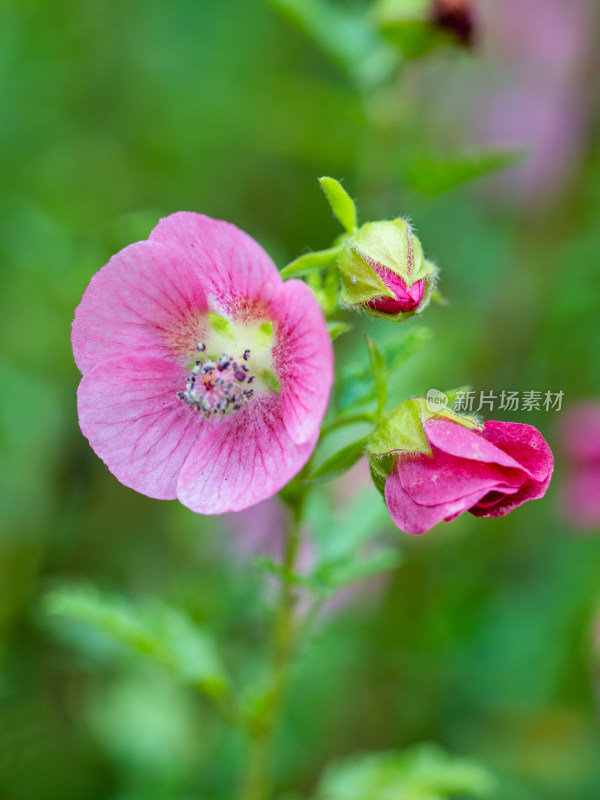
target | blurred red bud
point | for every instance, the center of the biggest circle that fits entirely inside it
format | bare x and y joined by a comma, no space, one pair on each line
457,18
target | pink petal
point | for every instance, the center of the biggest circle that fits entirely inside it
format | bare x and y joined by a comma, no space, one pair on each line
303,360
244,460
414,518
134,422
444,478
525,444
237,274
531,490
135,305
456,440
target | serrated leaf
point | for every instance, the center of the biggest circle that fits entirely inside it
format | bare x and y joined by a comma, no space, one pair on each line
339,462
310,262
159,632
336,328
424,772
341,203
278,570
345,35
432,175
330,577
356,386
379,373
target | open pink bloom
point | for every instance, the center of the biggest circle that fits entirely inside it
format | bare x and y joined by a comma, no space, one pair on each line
487,473
205,376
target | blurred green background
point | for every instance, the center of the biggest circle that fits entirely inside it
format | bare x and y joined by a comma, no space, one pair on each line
484,639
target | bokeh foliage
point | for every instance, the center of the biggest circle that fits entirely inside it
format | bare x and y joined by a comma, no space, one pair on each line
113,114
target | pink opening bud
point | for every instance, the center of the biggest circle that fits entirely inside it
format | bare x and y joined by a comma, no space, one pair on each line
384,271
405,298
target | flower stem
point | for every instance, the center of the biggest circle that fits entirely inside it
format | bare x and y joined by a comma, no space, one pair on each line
256,785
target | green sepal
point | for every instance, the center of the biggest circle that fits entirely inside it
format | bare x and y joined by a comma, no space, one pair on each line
379,373
360,282
337,328
403,429
341,203
400,431
311,262
438,297
380,468
339,462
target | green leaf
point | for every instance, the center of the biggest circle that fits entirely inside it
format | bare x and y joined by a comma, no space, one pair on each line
277,570
311,262
334,575
339,462
356,386
407,25
424,772
336,328
347,36
158,632
432,175
379,373
341,203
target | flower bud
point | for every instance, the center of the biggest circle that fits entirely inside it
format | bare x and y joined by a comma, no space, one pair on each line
455,17
435,465
384,271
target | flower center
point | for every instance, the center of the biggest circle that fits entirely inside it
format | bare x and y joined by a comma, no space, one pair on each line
218,387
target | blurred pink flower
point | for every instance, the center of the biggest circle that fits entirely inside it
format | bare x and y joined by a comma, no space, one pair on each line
580,439
538,53
524,88
488,474
205,376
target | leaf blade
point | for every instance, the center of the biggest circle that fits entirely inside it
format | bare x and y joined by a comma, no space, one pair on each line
339,462
341,203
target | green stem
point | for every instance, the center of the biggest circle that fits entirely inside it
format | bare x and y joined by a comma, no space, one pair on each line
256,784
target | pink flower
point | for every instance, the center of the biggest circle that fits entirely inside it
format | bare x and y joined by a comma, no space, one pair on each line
205,377
487,473
580,435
